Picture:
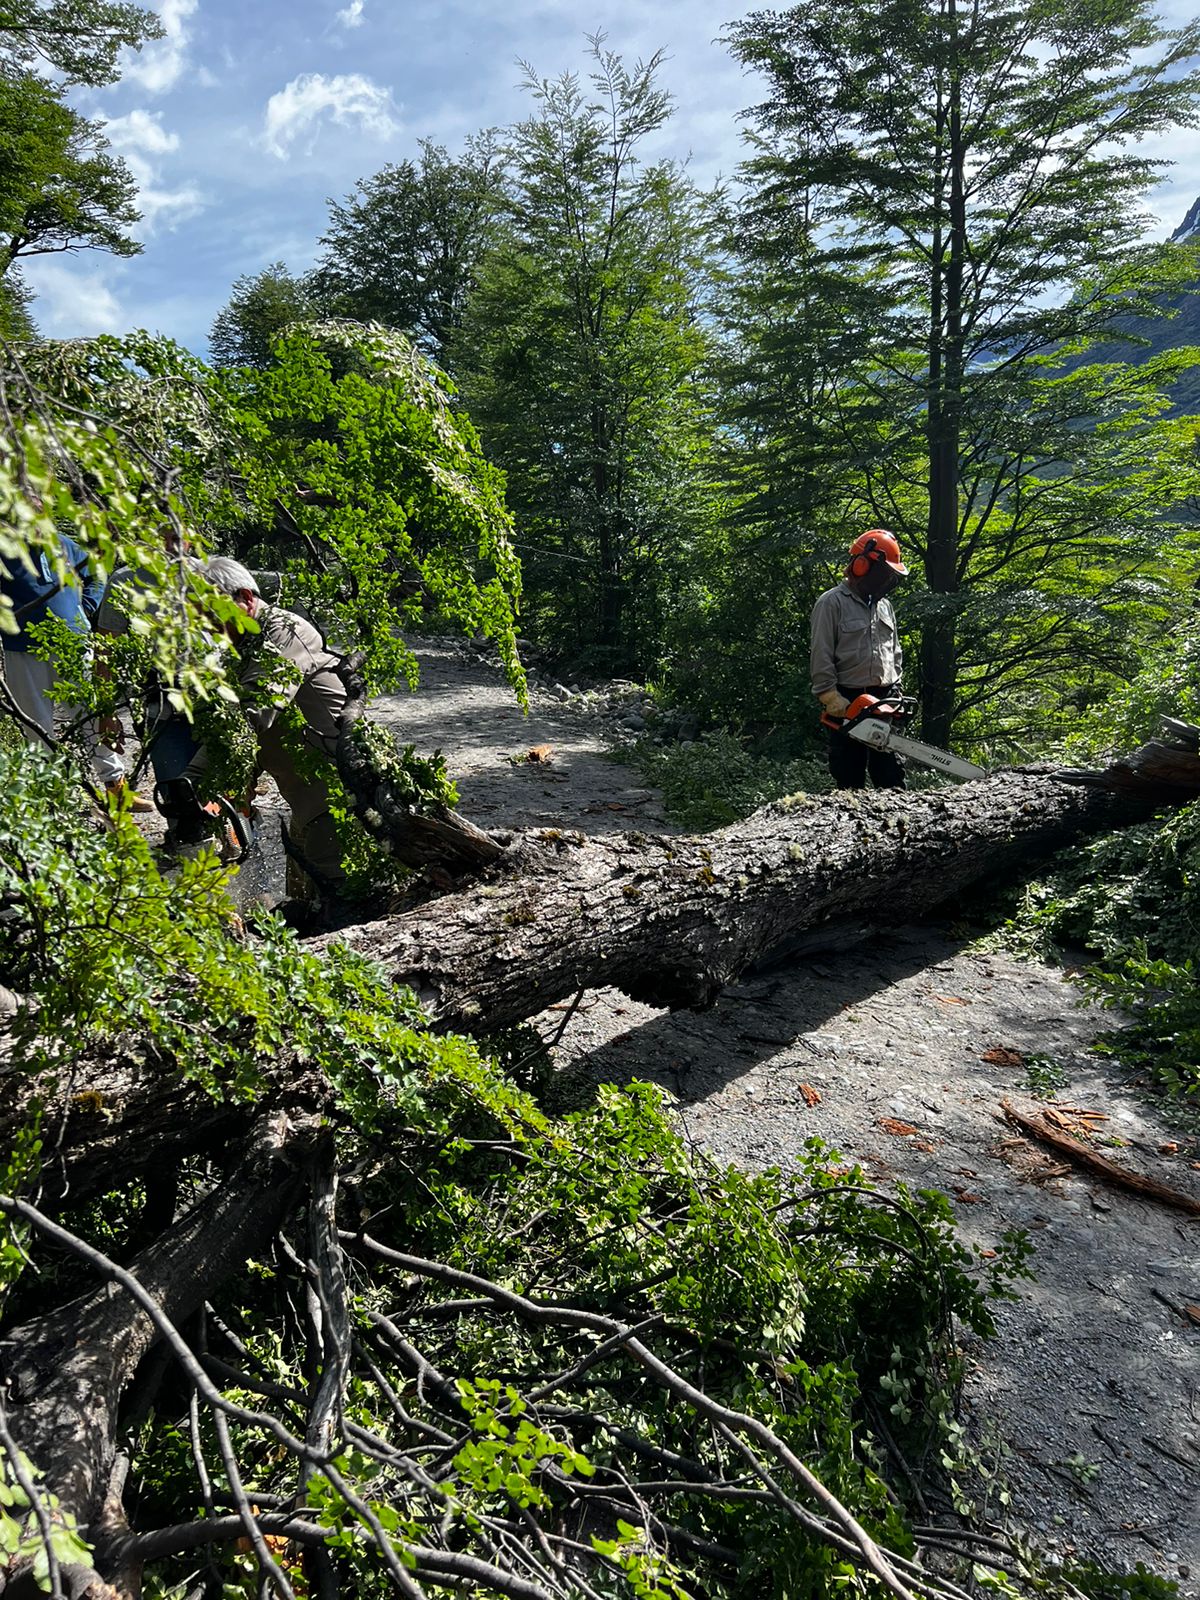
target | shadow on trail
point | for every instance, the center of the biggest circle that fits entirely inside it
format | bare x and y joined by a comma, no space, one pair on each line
773,1011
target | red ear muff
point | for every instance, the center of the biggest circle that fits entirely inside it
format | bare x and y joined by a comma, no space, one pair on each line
861,564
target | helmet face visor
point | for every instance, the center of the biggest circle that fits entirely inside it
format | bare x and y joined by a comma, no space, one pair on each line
880,580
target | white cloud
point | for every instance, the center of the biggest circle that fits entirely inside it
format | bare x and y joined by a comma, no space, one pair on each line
162,205
158,66
348,98
141,139
141,131
352,16
73,302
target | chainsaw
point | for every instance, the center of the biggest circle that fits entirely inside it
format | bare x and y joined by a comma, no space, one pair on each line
195,823
873,722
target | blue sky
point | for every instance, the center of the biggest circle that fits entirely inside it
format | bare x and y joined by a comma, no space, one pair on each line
248,116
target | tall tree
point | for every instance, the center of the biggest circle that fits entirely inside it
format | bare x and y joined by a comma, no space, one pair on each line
790,490
404,246
61,187
261,306
79,39
581,356
16,322
974,167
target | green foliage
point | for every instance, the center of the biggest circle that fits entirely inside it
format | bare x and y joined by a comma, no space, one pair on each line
716,779
1100,1584
404,248
581,357
1044,1077
61,187
735,643
948,259
800,1297
1134,897
261,307
107,945
18,1171
231,748
787,1291
357,434
413,780
81,39
21,1538
1166,682
408,779
16,297
386,479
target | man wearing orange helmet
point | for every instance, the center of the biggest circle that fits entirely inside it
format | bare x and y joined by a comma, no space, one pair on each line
856,650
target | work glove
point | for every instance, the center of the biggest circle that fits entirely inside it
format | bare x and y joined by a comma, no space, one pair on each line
835,704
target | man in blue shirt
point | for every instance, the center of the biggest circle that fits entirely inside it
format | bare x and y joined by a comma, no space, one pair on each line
71,593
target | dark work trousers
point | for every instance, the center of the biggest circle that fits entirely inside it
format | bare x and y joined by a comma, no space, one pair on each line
850,761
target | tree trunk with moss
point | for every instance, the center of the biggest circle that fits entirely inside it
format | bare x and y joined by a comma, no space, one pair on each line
670,921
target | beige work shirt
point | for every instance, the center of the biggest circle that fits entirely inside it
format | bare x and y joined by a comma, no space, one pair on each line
319,695
855,643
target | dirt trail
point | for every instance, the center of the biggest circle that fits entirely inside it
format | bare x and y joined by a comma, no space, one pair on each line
1091,1392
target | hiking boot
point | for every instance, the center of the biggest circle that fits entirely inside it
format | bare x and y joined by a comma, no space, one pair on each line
129,799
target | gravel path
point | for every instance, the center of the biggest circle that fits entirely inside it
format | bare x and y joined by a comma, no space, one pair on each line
1091,1393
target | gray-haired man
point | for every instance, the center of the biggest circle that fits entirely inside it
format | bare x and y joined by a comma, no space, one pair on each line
312,685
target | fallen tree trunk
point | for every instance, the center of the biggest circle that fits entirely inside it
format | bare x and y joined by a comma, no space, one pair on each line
672,920
67,1372
668,920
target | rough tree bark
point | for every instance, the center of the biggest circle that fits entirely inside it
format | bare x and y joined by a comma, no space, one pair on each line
668,920
672,920
67,1373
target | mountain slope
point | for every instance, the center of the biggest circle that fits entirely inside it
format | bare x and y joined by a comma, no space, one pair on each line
1180,326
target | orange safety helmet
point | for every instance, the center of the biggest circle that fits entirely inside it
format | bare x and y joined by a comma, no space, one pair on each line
877,544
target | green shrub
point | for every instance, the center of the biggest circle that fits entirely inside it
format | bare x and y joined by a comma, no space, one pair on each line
1134,898
717,780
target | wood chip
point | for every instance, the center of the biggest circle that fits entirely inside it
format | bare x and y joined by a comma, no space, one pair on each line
1073,1119
951,1000
898,1129
1192,1313
1000,1056
812,1097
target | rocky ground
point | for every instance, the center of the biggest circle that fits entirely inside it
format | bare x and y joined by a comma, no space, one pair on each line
899,1053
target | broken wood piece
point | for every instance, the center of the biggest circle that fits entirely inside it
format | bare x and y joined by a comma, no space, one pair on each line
898,1129
1082,1155
1001,1056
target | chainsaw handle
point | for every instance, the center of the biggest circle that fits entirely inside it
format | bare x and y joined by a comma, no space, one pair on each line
897,708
